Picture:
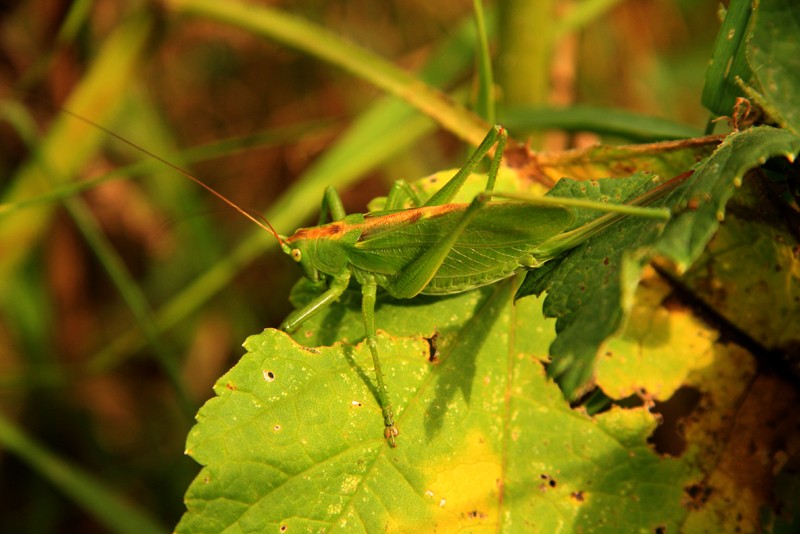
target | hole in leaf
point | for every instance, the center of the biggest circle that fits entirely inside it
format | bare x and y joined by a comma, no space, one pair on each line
698,495
550,481
433,352
668,437
269,376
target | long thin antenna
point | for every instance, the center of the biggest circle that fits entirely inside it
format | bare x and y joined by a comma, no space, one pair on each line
268,227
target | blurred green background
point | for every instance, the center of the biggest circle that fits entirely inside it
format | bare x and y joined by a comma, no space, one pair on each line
123,302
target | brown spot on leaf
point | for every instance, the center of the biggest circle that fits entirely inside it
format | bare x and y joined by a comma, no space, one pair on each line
476,514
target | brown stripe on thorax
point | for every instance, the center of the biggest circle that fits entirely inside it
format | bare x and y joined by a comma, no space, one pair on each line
326,230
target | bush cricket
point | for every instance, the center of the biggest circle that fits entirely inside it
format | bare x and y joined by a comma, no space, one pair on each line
433,248
437,247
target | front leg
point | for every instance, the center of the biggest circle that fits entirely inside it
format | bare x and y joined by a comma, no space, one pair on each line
298,317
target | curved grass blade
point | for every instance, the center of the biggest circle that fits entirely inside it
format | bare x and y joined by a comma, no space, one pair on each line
319,42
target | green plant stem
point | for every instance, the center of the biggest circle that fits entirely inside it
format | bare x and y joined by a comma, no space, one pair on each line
485,97
526,49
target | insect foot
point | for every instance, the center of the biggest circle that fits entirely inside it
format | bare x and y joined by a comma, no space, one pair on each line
389,433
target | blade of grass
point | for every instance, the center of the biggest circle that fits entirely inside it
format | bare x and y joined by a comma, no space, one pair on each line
319,42
75,18
607,121
100,501
728,62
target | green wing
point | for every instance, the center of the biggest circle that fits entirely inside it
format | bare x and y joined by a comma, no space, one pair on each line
498,240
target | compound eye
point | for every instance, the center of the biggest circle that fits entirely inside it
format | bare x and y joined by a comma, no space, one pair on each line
296,255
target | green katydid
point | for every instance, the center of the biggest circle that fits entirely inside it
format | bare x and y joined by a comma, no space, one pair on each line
434,248
438,247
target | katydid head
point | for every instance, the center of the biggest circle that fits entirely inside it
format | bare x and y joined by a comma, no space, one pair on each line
297,249
322,251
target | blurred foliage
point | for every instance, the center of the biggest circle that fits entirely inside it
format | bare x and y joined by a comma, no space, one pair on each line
112,327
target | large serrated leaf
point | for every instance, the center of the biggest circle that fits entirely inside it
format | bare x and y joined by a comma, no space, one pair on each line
294,438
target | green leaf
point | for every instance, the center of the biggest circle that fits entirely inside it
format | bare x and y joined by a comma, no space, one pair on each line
774,56
715,179
590,290
585,287
750,271
294,437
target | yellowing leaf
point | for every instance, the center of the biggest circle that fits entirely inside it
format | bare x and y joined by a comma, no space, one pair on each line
643,357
